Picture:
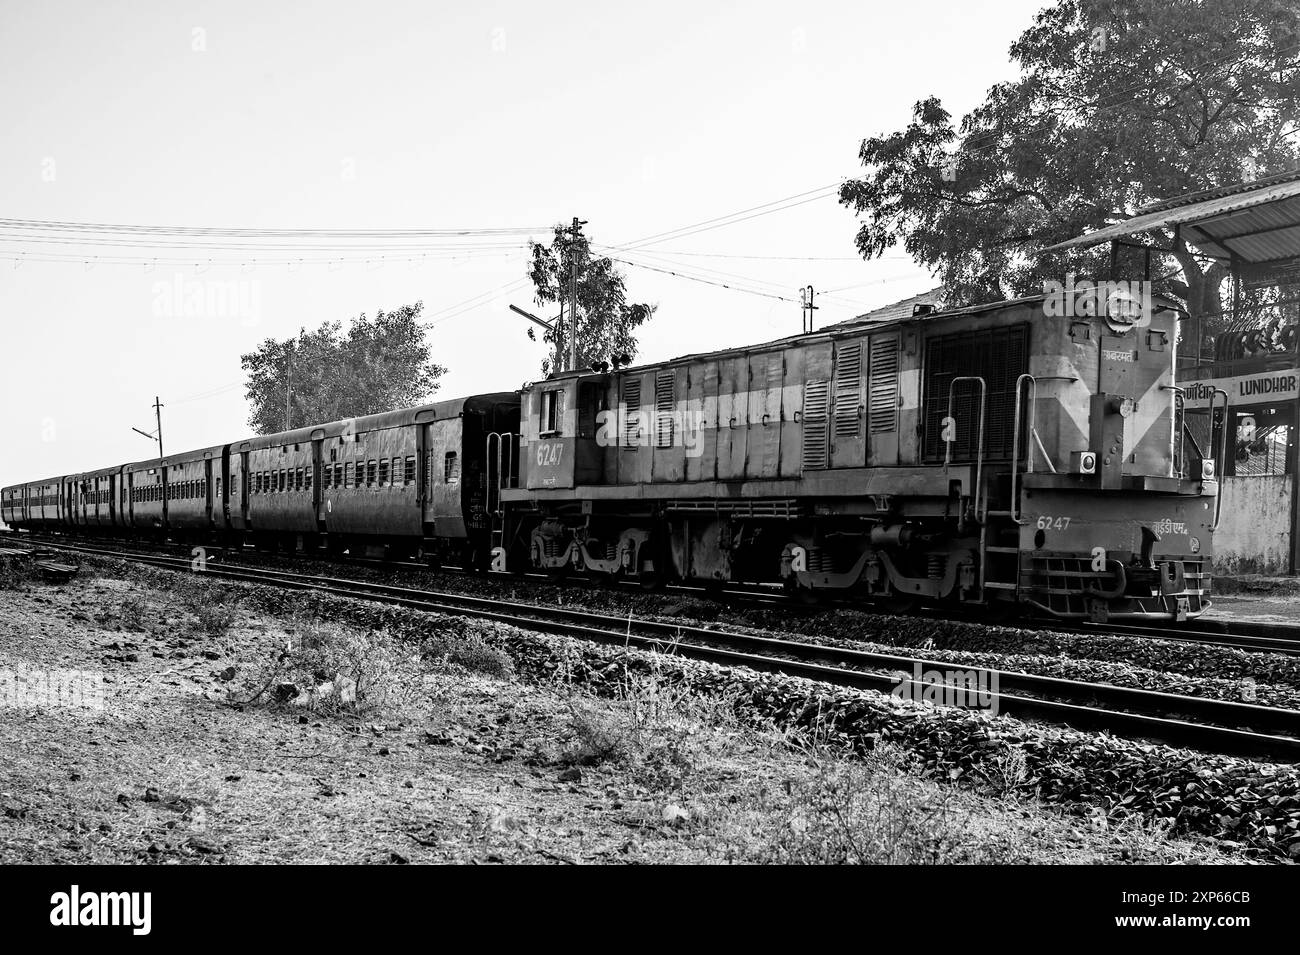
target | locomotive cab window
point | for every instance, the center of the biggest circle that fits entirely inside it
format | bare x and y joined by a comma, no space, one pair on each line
552,412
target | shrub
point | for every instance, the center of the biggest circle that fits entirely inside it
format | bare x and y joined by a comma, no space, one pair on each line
131,613
469,651
870,812
16,572
332,669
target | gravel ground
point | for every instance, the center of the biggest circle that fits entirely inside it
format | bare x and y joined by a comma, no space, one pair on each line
1168,666
541,765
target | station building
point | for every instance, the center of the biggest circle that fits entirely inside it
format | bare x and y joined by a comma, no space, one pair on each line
1240,388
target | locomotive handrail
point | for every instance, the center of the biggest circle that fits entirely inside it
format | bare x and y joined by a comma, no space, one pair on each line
1033,433
504,459
1223,450
1015,443
979,447
1180,412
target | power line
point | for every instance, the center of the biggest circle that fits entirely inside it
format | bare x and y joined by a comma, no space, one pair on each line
772,258
639,265
708,225
148,261
469,304
46,224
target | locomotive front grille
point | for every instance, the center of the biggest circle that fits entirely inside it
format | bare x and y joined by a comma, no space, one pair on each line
1069,587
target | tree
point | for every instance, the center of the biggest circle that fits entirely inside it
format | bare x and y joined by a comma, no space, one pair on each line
1119,104
606,322
377,365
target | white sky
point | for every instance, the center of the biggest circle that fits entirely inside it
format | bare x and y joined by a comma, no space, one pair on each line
418,114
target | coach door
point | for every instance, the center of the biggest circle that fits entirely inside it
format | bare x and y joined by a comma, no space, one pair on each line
243,484
317,485
702,412
733,409
763,453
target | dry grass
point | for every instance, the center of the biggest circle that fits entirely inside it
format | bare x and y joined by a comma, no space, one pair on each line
16,573
473,768
132,613
332,669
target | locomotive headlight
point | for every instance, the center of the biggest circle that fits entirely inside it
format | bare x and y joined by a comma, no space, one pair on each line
1085,462
1207,469
1194,544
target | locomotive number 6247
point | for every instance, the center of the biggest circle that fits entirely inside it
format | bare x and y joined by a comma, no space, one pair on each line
549,454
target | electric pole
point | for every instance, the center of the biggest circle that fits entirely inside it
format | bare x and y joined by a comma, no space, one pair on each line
575,234
806,296
157,413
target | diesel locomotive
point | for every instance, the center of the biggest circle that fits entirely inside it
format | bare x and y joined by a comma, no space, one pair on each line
1027,454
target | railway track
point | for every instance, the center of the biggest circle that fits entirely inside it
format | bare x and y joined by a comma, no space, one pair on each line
1234,728
1236,634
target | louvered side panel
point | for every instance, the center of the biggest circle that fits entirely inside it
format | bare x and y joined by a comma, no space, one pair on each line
848,390
815,421
630,429
882,404
664,409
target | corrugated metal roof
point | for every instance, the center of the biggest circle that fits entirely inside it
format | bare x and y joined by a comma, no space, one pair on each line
1235,189
896,310
1260,222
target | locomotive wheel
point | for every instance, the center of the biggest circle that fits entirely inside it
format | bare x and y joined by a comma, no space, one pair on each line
651,579
804,595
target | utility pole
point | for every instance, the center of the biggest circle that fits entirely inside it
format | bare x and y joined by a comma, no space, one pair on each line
575,233
806,295
288,382
157,414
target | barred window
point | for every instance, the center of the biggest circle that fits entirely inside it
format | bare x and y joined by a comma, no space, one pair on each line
372,468
410,470
451,468
383,472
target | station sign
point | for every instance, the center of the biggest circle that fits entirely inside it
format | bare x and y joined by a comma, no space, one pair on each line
1254,389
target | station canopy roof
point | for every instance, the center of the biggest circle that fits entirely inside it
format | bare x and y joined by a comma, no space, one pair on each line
1256,222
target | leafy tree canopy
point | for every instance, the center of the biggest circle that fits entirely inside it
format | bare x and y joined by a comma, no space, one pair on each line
1119,104
607,324
375,365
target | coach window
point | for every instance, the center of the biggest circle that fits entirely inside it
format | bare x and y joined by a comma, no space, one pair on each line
410,470
371,469
299,481
451,468
383,472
